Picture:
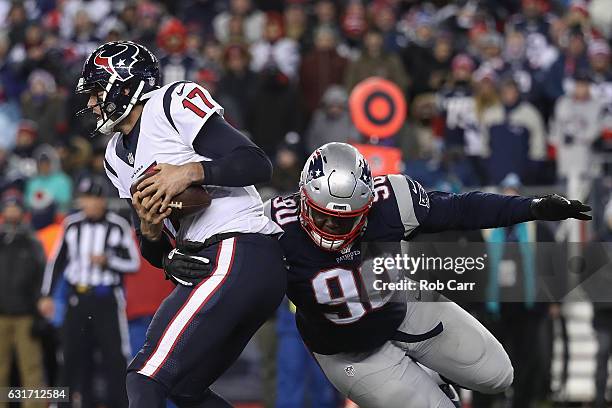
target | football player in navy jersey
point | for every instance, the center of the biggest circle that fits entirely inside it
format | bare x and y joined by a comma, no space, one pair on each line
368,344
178,129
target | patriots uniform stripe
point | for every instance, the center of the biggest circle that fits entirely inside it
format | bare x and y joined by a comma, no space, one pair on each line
197,300
400,186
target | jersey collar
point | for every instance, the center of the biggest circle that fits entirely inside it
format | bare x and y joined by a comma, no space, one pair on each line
126,145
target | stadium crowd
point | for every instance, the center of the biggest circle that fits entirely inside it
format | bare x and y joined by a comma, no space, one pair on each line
511,93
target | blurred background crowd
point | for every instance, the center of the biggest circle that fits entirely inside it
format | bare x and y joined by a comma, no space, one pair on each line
512,94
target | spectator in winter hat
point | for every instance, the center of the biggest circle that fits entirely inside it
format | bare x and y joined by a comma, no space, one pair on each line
45,106
375,61
490,49
462,68
26,139
275,51
50,178
237,80
354,23
22,263
384,19
320,68
485,86
576,124
325,12
572,59
296,22
332,121
601,72
175,63
513,135
252,18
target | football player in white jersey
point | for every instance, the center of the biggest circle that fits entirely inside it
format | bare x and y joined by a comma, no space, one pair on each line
178,129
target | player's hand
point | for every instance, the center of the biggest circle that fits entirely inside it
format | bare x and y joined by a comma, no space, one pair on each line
151,220
169,181
556,208
46,307
186,269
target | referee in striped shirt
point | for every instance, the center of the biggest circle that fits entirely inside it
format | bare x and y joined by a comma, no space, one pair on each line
97,247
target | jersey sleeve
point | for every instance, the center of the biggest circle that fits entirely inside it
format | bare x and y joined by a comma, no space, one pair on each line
417,210
412,201
111,173
188,106
400,206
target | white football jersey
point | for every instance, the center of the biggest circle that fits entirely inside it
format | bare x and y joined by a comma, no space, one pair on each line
170,121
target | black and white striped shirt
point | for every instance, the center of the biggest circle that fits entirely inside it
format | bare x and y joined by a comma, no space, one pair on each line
83,238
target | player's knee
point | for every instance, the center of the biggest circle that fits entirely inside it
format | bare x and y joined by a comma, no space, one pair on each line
500,381
504,380
494,371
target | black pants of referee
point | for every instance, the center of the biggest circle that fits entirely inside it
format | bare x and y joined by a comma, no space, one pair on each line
95,322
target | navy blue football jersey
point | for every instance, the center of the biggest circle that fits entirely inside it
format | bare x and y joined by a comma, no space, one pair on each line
337,310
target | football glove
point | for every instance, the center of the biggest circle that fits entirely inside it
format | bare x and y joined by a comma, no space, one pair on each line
553,207
185,269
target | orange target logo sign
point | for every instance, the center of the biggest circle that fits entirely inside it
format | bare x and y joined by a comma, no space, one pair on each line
378,107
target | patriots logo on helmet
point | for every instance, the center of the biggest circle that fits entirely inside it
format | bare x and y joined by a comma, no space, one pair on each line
315,169
119,63
366,174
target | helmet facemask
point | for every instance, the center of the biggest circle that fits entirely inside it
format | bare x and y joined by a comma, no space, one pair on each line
110,113
347,226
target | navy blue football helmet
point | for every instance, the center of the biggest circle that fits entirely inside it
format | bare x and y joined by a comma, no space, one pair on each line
124,72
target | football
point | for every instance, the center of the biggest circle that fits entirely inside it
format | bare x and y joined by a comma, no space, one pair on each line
190,201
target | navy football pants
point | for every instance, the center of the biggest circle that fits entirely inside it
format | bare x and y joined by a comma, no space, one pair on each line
198,332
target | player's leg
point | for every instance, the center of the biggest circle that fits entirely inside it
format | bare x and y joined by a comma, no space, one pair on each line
199,332
464,351
384,378
144,391
250,295
147,391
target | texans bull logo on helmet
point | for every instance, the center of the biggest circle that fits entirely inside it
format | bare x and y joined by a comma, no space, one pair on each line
125,59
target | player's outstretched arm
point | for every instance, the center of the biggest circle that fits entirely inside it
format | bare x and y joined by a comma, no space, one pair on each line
477,210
